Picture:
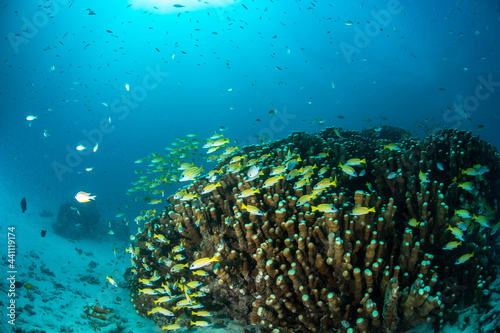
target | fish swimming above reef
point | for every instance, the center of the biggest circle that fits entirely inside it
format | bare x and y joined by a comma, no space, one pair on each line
253,171
362,210
111,281
202,262
30,118
84,197
464,258
162,311
201,323
23,204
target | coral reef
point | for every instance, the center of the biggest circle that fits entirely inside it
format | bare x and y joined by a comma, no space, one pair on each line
347,231
20,330
90,279
46,213
102,319
77,220
97,311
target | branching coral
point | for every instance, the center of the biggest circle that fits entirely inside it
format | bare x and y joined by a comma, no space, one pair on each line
363,252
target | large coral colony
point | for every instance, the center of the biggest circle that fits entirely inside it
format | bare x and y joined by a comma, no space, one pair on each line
370,231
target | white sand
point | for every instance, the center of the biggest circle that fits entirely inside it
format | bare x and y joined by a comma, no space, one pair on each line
58,302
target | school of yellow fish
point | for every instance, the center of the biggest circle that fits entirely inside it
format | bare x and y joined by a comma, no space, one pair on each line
175,290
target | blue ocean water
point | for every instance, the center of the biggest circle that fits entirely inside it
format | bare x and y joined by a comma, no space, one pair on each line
396,63
131,77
